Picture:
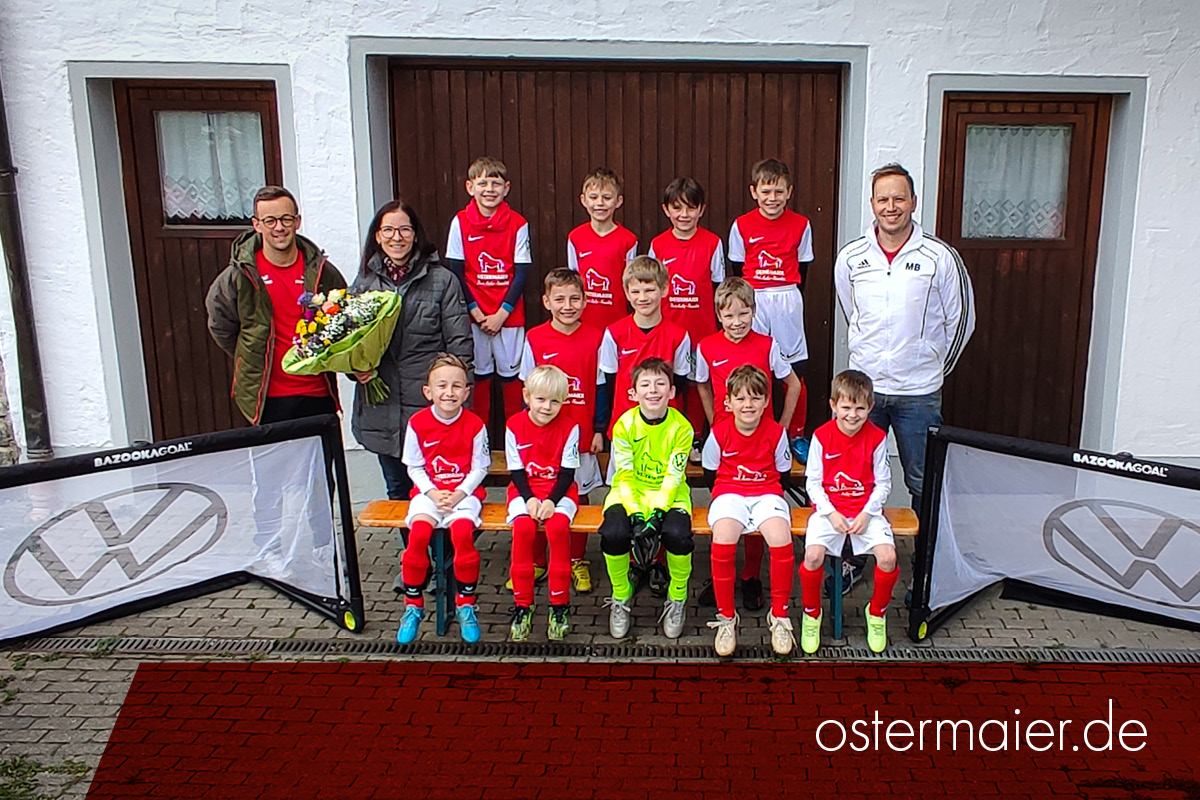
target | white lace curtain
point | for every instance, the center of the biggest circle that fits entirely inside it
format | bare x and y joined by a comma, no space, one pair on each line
1015,181
211,163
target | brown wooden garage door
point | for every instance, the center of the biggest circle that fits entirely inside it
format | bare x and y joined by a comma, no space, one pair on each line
553,122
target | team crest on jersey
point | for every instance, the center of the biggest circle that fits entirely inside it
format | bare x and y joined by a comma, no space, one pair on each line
769,267
597,286
749,475
536,470
649,469
445,471
846,486
574,390
491,269
683,293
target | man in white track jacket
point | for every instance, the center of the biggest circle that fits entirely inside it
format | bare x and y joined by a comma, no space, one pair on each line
908,299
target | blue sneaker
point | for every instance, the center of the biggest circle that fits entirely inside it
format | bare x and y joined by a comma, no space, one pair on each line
800,449
468,626
410,624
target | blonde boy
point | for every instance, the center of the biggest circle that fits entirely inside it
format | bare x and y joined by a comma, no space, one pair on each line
848,480
600,248
771,247
572,346
650,502
447,455
541,448
748,451
488,248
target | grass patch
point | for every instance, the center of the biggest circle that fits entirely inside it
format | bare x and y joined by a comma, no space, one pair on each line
19,777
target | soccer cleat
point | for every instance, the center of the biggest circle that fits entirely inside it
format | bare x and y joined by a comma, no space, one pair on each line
695,456
752,595
851,573
800,449
581,576
876,631
539,575
782,638
726,640
468,625
672,618
810,633
522,623
618,618
560,622
659,579
707,599
410,624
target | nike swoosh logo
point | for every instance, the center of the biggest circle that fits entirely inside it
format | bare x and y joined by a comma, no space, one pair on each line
669,260
730,455
833,455
474,238
722,361
639,439
523,446
755,239
549,355
585,255
628,352
430,444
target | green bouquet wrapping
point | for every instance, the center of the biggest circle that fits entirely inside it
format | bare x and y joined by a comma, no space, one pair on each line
341,332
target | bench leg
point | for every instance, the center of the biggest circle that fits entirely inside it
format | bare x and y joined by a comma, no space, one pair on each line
443,597
835,601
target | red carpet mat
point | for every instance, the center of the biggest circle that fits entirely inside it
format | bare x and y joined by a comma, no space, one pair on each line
502,730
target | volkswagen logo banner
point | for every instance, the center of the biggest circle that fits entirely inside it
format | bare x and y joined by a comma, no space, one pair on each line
85,537
1110,529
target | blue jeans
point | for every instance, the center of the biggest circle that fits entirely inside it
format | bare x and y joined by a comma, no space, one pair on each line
910,416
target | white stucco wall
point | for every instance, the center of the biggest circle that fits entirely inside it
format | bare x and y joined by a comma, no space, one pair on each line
1154,39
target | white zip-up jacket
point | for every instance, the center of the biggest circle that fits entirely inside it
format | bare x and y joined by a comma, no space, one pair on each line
909,320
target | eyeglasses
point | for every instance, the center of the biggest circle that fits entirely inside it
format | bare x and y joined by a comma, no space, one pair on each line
287,220
387,231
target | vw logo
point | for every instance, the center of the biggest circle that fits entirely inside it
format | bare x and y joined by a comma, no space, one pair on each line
114,542
1133,549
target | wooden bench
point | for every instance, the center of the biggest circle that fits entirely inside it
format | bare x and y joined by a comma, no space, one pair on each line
391,514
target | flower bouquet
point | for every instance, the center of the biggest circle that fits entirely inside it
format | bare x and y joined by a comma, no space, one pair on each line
341,332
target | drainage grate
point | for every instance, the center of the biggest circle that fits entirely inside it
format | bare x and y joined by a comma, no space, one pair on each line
560,651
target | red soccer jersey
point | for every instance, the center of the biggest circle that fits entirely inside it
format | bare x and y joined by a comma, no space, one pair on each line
600,261
693,266
490,248
542,451
848,465
576,354
625,345
717,358
447,449
748,465
772,249
285,285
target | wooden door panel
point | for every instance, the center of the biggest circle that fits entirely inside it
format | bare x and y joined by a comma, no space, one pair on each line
553,122
175,260
1023,372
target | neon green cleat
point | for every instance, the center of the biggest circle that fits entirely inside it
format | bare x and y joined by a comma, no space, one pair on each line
810,632
539,575
560,622
876,631
522,623
581,577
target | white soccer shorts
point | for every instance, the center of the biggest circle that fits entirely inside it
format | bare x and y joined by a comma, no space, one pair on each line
499,354
468,508
518,507
821,532
750,511
779,313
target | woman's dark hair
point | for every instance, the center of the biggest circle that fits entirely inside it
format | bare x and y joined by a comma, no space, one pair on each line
422,246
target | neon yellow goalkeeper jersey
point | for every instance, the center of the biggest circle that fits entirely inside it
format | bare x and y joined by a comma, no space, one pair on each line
650,463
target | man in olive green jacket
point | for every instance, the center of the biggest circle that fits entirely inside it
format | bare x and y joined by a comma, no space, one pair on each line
253,310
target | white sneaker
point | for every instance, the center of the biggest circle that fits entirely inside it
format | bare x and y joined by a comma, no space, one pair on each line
726,639
618,618
782,638
672,618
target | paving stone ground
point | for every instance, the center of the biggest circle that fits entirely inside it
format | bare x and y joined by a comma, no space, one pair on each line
57,710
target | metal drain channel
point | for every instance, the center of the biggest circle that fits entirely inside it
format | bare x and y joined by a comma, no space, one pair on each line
559,651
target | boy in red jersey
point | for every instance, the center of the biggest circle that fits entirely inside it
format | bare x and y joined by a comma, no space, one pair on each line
748,452
600,248
573,347
641,335
541,448
848,479
446,452
488,248
695,262
717,356
771,247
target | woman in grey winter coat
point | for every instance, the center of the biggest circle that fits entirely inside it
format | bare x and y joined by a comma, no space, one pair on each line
399,256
